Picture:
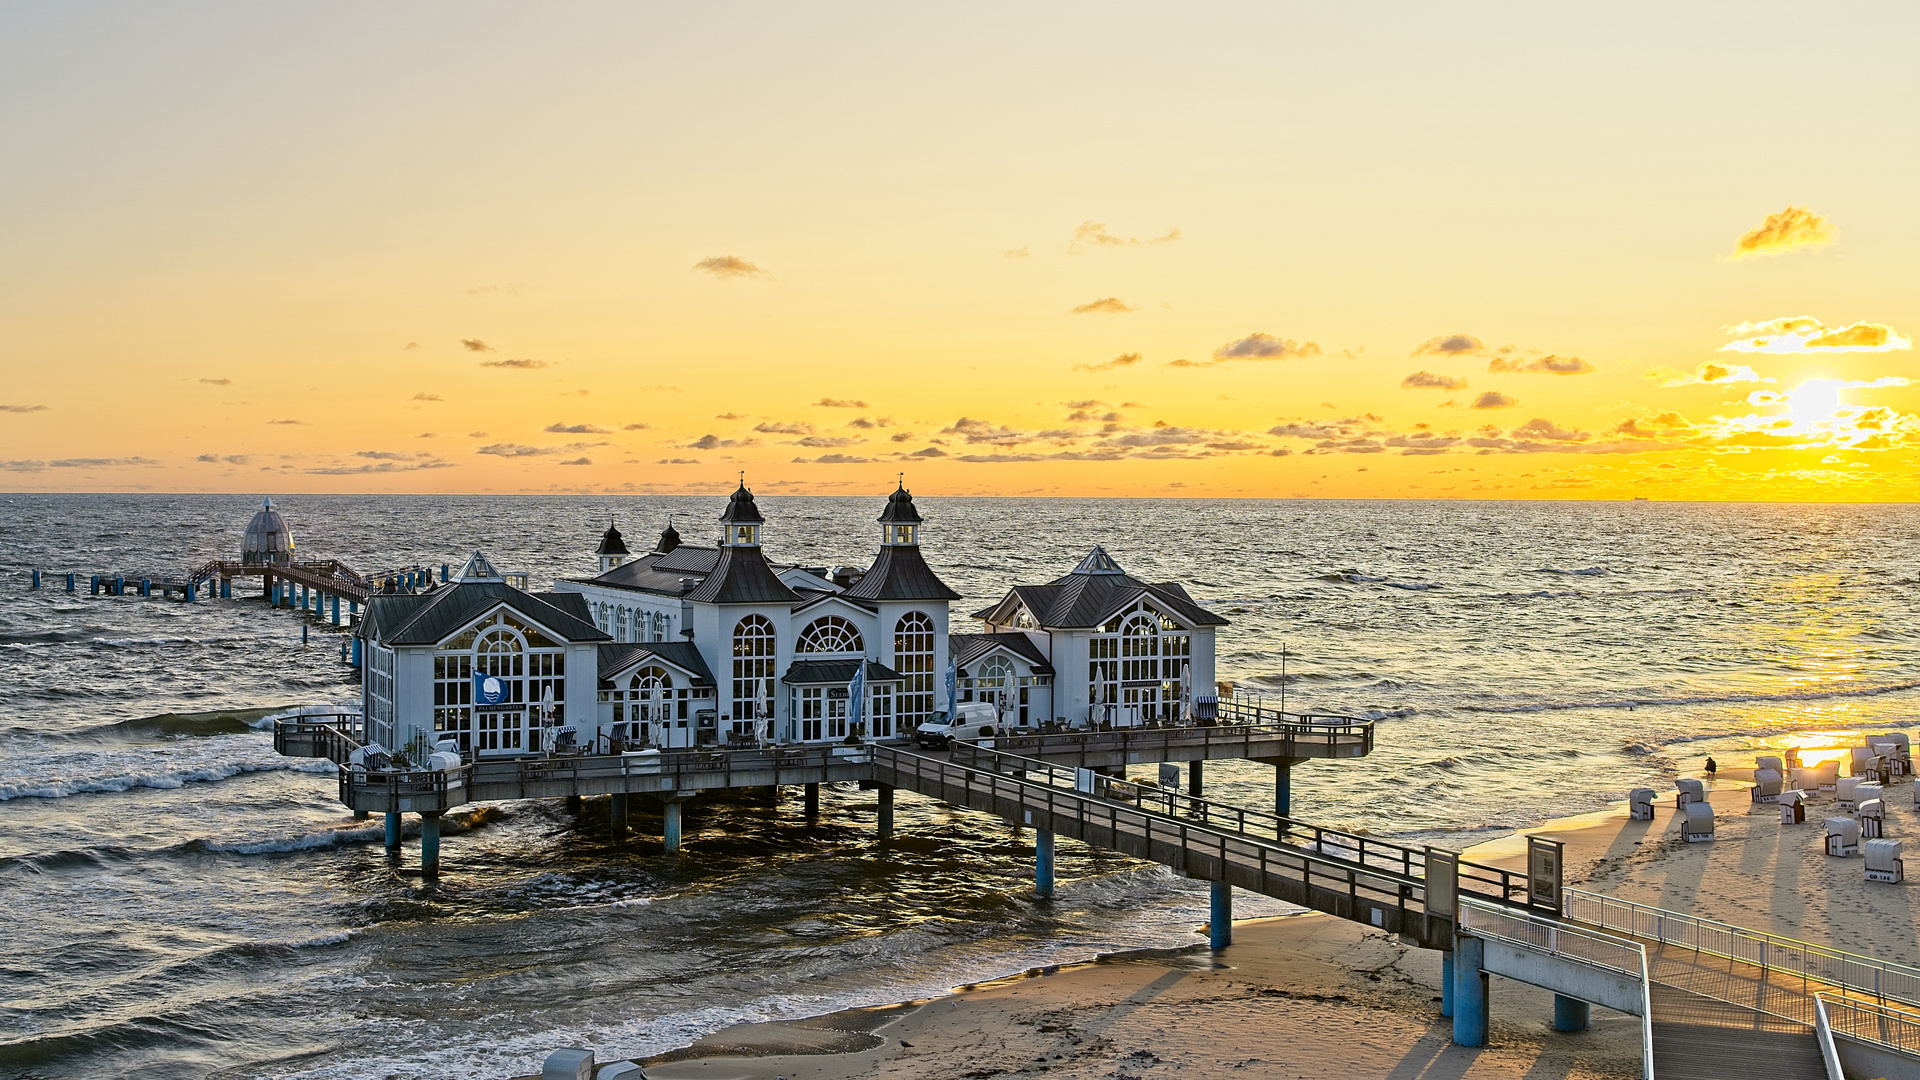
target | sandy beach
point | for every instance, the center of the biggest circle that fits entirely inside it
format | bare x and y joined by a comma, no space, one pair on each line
1313,996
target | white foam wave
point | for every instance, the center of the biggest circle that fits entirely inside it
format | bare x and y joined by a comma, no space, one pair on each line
163,779
326,838
1701,699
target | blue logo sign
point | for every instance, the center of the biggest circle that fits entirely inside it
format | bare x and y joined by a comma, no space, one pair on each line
489,689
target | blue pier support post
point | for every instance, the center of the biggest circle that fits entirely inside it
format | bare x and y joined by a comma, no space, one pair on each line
36,579
336,611
1043,864
393,834
670,823
886,811
356,652
617,814
1446,982
192,591
813,802
226,588
146,587
430,843
1196,774
303,633
443,573
1220,917
70,578
1570,1014
1469,992
1283,788
343,652
353,610
119,586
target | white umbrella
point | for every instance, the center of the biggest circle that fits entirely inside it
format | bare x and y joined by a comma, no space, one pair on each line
1186,691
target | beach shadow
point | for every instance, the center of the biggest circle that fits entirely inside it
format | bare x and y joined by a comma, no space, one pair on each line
1434,1057
1133,1001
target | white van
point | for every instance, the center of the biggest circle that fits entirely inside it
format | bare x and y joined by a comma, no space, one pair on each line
965,723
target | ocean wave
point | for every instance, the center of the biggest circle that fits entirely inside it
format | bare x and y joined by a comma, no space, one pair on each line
1414,586
1701,699
163,779
1541,594
1590,571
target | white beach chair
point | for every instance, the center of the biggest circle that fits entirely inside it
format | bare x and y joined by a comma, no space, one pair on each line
1690,791
1825,776
1901,757
1768,761
1698,826
570,1064
1884,862
1640,804
1793,807
1766,786
1865,790
1843,837
1872,816
1857,760
1844,790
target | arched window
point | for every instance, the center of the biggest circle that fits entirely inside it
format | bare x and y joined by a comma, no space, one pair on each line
913,658
651,692
753,659
831,634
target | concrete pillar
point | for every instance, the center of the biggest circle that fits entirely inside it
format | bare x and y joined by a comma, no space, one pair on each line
353,609
36,579
96,585
70,582
1220,921
393,832
1469,992
188,592
356,652
443,573
1195,772
813,801
1570,1014
226,588
430,843
1283,788
1043,864
670,825
1446,982
886,811
336,611
617,814
146,586
343,652
119,586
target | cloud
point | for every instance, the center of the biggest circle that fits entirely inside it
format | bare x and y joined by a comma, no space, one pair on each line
1259,346
1789,230
424,396
1451,345
476,434
929,452
727,267
559,428
834,459
730,416
1427,380
23,408
513,450
472,344
985,431
678,461
821,442
1020,252
388,463
1111,305
868,425
99,462
410,345
840,403
1801,334
711,441
1663,425
1494,399
900,436
294,423
579,461
784,428
1093,234
1541,365
218,382
1707,374
1541,428
520,365
22,466
1123,360
635,427
224,459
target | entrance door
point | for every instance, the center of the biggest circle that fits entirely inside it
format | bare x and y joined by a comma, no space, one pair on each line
500,731
837,716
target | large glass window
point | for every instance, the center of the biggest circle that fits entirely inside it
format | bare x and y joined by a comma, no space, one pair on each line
913,658
1137,667
753,660
830,634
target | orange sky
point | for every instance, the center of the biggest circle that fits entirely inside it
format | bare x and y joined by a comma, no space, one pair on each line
1251,250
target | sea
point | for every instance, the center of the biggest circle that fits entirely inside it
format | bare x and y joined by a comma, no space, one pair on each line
176,900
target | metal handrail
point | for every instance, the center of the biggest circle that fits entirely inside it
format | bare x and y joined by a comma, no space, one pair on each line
1883,1025
1879,979
1476,879
1337,732
1569,942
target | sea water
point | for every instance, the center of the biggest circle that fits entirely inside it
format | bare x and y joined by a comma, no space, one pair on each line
176,899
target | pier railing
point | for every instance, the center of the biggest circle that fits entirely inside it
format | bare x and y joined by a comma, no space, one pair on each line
609,766
319,735
1491,883
1880,980
1340,735
437,789
1873,1022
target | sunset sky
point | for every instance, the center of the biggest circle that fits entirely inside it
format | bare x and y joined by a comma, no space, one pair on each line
1389,250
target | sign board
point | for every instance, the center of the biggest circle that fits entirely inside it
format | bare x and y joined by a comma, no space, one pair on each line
1083,780
836,693
1543,873
1170,775
1443,883
490,689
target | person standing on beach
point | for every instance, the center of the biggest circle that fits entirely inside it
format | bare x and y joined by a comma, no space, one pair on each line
1711,767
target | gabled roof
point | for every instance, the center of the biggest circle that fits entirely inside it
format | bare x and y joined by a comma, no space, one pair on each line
966,648
899,573
813,600
673,572
623,656
1093,592
432,617
742,576
838,671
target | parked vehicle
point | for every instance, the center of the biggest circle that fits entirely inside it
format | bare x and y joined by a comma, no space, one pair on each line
972,720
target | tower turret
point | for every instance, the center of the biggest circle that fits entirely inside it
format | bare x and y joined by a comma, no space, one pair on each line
613,548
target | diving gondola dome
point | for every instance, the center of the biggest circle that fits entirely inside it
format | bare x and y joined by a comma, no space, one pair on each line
268,538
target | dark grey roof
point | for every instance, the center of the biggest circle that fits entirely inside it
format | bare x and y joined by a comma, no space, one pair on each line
680,654
742,576
741,509
429,618
838,671
669,539
663,572
899,573
966,648
1094,591
611,542
900,510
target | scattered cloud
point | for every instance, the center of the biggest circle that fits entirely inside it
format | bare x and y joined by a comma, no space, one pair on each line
711,441
730,416
472,344
1789,230
1801,334
1020,252
1093,234
1451,345
834,459
678,461
23,408
1111,305
218,382
1660,426
424,396
1259,346
513,450
929,452
1494,399
900,436
826,441
1123,360
476,434
22,466
1427,380
1708,374
579,461
635,427
225,459
784,428
1540,365
384,462
727,267
869,424
520,365
840,403
1542,428
559,428
100,462
410,345
292,423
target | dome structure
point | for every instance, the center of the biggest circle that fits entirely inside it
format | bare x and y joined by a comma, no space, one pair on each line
268,541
